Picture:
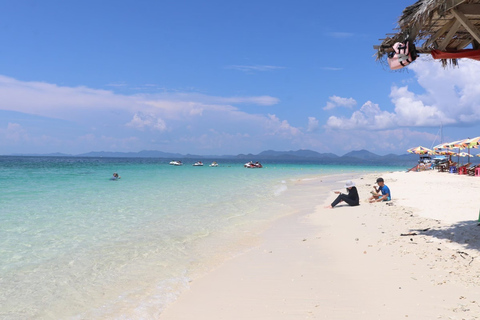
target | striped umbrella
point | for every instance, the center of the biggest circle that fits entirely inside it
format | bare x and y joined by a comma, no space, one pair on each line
420,150
441,146
464,154
459,144
446,153
472,143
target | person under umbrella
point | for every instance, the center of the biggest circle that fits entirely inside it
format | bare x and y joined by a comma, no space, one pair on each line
352,198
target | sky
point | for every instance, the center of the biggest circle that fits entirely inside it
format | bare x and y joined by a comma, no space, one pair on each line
220,78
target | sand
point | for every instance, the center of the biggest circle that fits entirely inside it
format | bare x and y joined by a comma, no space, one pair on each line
416,257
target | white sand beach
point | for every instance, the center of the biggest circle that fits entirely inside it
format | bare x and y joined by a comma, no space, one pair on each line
416,257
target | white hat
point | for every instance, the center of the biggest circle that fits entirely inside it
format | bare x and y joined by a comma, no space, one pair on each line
349,184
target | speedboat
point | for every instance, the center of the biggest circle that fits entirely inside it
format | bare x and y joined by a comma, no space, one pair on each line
176,163
253,165
214,164
435,161
198,164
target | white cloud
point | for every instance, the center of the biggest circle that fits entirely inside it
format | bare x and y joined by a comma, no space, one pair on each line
312,124
336,101
411,111
143,121
166,121
275,126
54,101
451,96
76,103
15,133
455,92
369,117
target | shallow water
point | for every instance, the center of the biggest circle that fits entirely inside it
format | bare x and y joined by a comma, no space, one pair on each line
75,244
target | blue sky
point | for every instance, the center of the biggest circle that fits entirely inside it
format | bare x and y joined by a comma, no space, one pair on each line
219,77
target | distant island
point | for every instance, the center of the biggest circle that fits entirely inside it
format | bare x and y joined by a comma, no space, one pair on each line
353,157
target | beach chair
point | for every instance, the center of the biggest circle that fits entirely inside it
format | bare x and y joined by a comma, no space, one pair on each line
445,166
463,169
415,168
473,170
452,169
442,167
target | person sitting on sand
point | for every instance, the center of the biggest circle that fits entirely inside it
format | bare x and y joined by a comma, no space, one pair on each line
352,198
376,196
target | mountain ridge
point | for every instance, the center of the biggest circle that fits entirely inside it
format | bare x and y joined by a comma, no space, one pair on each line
353,157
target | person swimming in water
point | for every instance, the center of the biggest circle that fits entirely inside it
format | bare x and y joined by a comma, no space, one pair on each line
115,176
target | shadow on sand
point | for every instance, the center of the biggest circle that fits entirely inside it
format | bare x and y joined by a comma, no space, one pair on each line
465,233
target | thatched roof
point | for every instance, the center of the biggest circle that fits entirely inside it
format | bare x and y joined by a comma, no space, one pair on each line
446,25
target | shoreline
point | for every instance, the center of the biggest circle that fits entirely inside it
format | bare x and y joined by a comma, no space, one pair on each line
375,261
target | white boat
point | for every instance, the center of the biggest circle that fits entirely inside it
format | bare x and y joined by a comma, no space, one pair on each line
253,165
198,164
214,164
176,163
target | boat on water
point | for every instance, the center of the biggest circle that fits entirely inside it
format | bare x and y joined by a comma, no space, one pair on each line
198,164
251,164
214,164
433,161
176,163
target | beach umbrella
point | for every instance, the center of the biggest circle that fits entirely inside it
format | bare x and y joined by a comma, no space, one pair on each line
446,153
420,150
441,146
464,154
472,143
459,144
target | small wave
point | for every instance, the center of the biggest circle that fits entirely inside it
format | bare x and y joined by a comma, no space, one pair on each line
280,189
309,179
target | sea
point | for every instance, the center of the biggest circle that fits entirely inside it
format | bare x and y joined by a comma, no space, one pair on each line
75,244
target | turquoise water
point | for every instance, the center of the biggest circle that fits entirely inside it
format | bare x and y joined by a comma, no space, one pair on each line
75,244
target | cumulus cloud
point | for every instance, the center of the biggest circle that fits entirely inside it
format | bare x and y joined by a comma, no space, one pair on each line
15,133
451,96
336,101
410,110
312,124
453,91
369,117
275,126
147,121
